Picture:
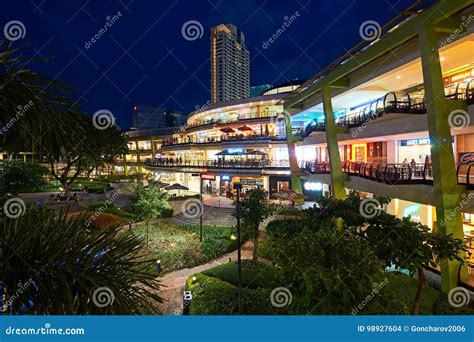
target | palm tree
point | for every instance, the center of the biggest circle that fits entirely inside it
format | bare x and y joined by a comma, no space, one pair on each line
34,107
52,264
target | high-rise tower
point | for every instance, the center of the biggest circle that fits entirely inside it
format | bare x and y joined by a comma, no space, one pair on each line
230,64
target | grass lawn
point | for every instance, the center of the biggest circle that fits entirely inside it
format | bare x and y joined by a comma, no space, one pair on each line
178,246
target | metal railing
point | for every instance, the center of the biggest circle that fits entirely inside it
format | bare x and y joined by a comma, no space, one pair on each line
223,138
217,164
393,173
393,102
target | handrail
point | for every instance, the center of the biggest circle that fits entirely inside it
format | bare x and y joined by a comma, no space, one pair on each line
393,173
223,138
218,164
372,111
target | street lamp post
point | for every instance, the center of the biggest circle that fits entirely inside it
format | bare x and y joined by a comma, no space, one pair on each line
238,188
202,207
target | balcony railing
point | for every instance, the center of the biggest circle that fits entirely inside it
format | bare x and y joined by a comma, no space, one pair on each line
392,173
393,102
217,164
223,138
241,118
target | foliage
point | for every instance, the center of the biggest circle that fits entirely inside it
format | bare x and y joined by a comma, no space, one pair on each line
253,210
64,264
325,269
254,274
183,197
17,176
284,227
179,247
150,202
214,296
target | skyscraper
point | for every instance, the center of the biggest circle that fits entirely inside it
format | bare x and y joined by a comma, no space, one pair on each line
148,117
230,64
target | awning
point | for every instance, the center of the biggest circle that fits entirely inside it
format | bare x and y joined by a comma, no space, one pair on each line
227,130
245,128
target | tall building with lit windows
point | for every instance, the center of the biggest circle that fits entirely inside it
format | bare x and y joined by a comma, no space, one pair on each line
230,64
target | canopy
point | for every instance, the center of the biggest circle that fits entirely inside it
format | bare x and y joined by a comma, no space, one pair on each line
245,128
227,153
227,130
176,186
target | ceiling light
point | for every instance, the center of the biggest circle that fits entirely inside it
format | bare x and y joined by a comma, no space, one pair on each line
398,77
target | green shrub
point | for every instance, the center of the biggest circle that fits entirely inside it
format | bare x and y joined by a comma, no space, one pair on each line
265,250
212,296
283,228
167,212
100,204
254,275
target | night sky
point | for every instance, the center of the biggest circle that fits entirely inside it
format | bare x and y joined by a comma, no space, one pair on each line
143,57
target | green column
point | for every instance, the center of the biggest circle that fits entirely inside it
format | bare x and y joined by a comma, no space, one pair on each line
125,167
445,184
337,177
294,168
152,141
139,165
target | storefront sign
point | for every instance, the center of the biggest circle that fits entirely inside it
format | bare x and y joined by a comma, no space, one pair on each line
208,177
460,76
466,157
225,178
410,210
313,186
412,142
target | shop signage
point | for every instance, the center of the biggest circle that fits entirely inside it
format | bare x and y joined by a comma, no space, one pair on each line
225,178
313,186
466,157
460,76
410,210
412,142
208,177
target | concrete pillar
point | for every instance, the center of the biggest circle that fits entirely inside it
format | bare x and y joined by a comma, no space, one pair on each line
445,184
337,177
294,168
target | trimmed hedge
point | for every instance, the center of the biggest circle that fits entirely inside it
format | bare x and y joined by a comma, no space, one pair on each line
254,274
282,228
212,296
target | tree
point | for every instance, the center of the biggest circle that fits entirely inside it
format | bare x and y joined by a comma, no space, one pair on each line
411,245
17,176
95,149
253,210
149,203
325,269
60,267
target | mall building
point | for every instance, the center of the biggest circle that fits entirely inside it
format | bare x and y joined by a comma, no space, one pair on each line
236,141
394,117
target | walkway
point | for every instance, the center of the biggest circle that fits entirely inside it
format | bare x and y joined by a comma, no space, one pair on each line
172,284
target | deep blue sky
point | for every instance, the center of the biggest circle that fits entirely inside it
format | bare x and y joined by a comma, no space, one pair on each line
144,59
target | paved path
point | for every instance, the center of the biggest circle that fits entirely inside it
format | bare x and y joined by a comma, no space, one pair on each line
172,284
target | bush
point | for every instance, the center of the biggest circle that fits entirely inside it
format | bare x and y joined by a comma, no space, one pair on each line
254,274
167,212
183,197
99,220
17,176
284,228
212,296
99,204
266,250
